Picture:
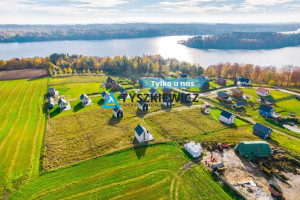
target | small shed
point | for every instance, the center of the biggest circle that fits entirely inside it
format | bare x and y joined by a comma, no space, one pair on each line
143,105
266,110
123,92
104,95
118,112
223,96
218,165
53,92
153,92
239,104
50,103
205,85
238,93
142,134
262,131
227,117
254,149
166,101
221,81
262,92
85,100
63,104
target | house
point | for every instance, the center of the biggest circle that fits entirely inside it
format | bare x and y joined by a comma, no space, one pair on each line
254,149
167,90
123,92
118,112
166,101
262,92
63,104
115,86
218,165
262,131
227,117
52,92
266,110
244,81
224,97
141,83
221,81
239,104
153,92
85,100
142,134
104,95
205,85
133,80
185,98
182,76
205,109
194,149
109,80
50,103
238,93
143,105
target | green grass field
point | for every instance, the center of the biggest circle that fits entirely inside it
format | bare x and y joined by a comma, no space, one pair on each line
22,129
153,172
287,106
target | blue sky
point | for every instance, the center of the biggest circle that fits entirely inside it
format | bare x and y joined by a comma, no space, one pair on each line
157,11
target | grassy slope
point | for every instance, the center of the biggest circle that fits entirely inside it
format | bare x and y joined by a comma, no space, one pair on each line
22,128
141,173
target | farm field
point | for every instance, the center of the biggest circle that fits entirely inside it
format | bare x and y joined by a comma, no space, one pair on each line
127,175
22,129
251,92
287,106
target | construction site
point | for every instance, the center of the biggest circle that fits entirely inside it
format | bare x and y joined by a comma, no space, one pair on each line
274,177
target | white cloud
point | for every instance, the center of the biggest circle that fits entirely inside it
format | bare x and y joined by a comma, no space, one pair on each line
267,2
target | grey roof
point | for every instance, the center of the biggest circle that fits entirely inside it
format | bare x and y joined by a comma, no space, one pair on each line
122,90
265,108
61,100
244,80
240,103
140,130
83,95
221,94
165,89
183,75
237,90
104,93
226,114
206,84
51,90
261,128
152,90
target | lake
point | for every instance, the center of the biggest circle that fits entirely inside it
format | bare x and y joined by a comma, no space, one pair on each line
166,46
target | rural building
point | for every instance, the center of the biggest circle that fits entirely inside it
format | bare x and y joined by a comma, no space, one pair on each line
141,83
123,92
185,98
223,97
205,109
227,117
63,104
104,95
167,90
266,110
133,80
50,103
239,104
262,92
182,76
244,81
166,101
52,92
194,149
85,100
115,86
142,134
205,85
143,105
254,149
262,131
238,93
153,92
109,79
118,112
221,81
218,165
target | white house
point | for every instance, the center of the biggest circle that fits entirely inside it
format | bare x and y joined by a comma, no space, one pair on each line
85,100
194,149
227,117
142,134
244,81
63,104
118,112
104,95
166,101
143,105
262,92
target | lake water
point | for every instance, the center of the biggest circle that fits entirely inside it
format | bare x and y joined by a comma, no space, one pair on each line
166,46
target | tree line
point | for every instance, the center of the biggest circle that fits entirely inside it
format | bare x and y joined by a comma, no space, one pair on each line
156,65
244,40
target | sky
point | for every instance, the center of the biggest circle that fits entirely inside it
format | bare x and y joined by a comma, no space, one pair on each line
151,11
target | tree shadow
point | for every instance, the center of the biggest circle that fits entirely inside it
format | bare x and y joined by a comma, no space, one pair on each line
100,102
54,112
114,121
140,151
78,107
141,113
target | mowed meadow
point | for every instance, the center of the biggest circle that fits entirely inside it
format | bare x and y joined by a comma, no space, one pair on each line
164,172
21,131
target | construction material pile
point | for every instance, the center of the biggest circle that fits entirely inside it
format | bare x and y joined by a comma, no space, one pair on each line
194,149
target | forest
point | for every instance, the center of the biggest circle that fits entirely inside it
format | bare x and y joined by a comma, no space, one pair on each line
153,65
31,33
244,40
